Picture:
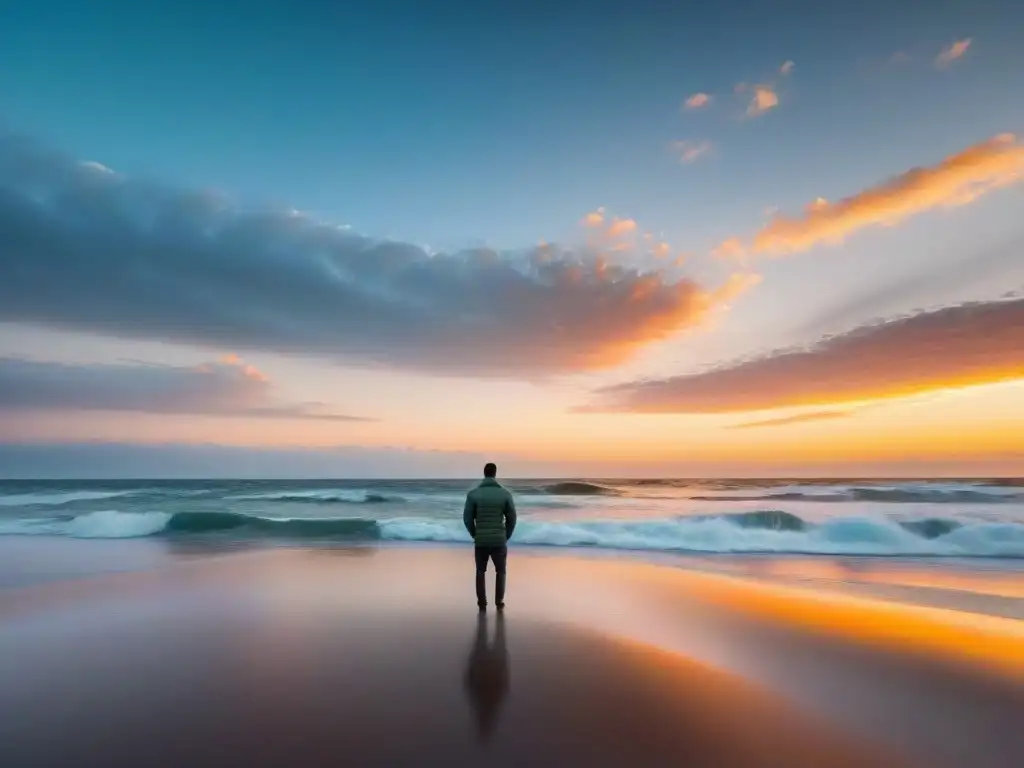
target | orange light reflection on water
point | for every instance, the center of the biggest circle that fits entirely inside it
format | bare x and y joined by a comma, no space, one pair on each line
981,639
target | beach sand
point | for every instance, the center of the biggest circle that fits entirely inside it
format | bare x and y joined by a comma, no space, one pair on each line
376,656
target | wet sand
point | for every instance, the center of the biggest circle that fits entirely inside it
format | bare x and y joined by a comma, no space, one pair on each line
378,657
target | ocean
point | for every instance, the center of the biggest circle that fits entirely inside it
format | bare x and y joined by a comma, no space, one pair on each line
919,518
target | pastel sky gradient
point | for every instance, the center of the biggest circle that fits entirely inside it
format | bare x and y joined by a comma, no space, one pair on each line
731,239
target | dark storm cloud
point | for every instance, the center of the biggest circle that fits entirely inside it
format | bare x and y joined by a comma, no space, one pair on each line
976,343
227,387
84,248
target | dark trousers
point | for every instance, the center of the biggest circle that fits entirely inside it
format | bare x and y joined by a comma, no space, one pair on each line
498,555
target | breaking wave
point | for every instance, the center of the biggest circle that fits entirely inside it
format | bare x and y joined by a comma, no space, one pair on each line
206,522
765,531
777,533
769,519
111,524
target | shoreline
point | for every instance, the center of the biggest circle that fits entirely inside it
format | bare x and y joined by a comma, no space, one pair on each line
985,586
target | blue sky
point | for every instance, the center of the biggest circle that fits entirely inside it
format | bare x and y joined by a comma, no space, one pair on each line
505,123
453,125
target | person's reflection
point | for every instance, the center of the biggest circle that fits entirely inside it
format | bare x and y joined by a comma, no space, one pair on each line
487,676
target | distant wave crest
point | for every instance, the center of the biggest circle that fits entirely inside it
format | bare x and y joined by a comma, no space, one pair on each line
322,497
909,495
934,495
57,499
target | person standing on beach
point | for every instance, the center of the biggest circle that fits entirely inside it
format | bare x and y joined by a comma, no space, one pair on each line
490,518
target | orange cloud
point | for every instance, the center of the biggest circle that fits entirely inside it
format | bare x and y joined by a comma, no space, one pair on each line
689,151
957,346
952,52
764,100
697,100
620,227
610,234
957,180
645,310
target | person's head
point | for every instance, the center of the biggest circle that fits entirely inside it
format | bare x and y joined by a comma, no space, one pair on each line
490,470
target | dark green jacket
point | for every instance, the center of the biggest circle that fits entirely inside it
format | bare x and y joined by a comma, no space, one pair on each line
490,514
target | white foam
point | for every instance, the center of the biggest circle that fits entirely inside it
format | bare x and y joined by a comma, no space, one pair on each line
997,539
422,529
111,524
104,524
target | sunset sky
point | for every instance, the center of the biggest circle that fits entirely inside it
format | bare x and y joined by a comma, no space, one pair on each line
620,239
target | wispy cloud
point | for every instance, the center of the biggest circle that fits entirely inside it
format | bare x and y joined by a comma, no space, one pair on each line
952,52
786,67
983,273
226,387
957,346
800,418
690,151
735,286
955,181
697,100
764,99
594,218
90,250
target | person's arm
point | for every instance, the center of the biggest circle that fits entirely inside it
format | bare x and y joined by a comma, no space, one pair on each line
469,515
510,516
